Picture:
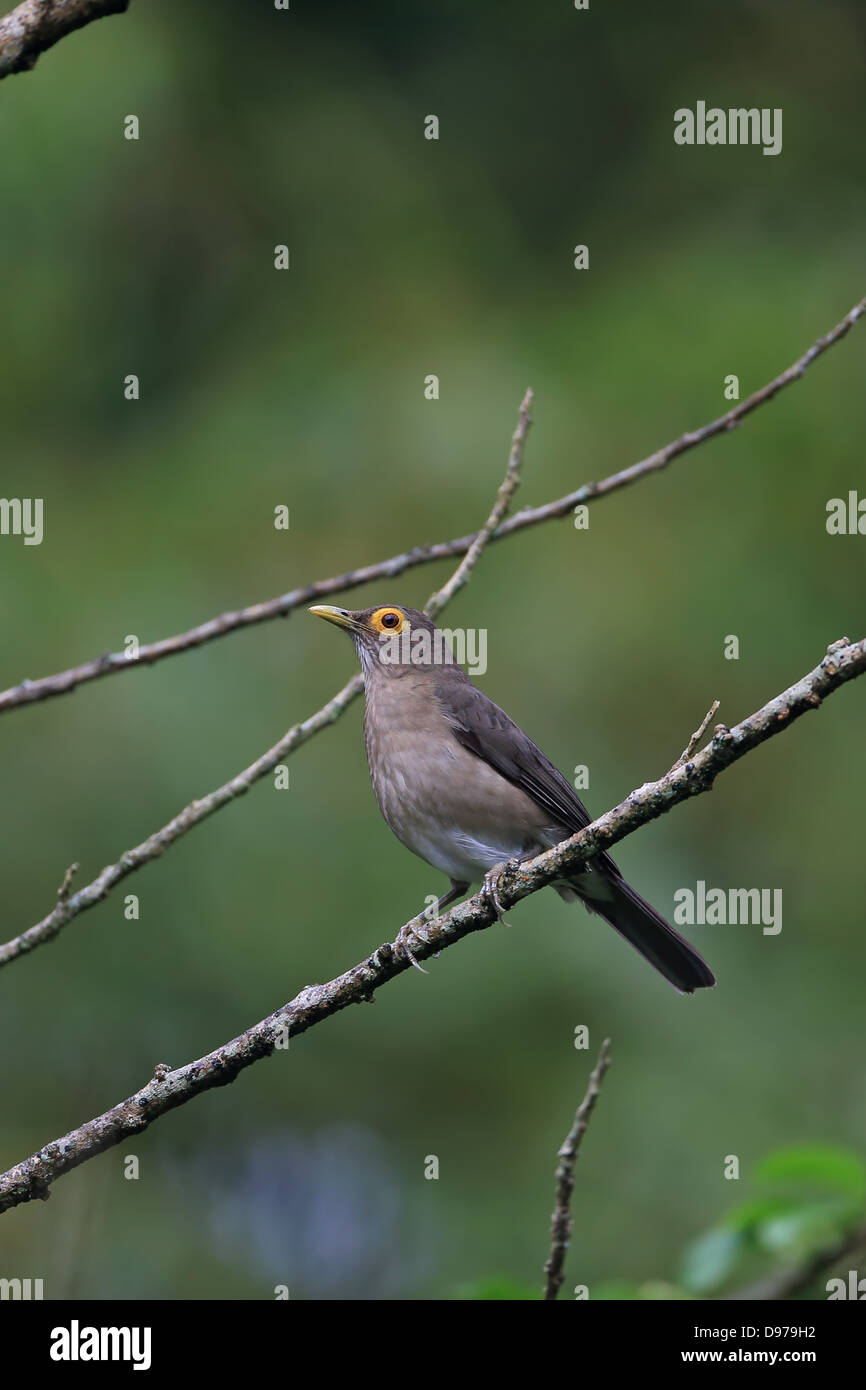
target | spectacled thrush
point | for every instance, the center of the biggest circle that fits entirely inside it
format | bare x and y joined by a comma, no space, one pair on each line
464,788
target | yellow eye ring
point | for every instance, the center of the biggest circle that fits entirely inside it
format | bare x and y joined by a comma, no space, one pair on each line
387,620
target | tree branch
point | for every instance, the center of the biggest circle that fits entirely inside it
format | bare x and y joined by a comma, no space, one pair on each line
509,485
562,1222
38,24
111,663
697,735
69,904
169,1089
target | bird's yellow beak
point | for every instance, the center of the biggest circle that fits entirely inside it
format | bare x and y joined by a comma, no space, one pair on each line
338,616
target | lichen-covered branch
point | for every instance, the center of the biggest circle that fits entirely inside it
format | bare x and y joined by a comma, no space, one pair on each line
69,904
36,25
112,663
32,1178
562,1222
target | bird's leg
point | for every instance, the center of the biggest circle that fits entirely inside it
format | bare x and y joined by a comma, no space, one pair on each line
413,928
489,890
455,891
490,886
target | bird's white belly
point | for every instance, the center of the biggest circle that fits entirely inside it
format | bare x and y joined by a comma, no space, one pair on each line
461,855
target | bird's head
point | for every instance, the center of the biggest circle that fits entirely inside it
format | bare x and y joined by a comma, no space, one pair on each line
389,638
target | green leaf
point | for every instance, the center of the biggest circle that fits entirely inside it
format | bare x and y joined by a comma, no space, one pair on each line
807,1227
709,1260
751,1214
840,1170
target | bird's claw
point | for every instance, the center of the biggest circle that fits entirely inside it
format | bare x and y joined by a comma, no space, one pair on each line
404,935
490,890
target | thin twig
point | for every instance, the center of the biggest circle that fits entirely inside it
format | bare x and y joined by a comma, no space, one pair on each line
38,24
509,485
70,905
562,1222
66,886
193,814
31,1178
112,663
697,735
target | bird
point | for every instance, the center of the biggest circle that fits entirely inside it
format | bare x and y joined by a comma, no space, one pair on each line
464,788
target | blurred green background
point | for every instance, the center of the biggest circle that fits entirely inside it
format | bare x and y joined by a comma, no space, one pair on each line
306,388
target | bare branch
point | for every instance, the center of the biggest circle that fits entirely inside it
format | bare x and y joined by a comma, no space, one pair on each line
434,605
562,1222
111,663
66,886
697,735
169,1089
38,24
69,904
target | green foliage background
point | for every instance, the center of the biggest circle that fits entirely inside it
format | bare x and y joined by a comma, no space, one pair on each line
306,388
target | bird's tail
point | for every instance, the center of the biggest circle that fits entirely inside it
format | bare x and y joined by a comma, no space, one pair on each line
644,929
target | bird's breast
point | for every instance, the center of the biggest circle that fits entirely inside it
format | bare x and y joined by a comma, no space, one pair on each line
446,805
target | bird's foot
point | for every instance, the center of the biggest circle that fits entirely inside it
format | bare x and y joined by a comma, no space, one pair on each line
490,888
411,931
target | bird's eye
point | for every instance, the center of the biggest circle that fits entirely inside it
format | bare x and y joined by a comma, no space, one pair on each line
387,620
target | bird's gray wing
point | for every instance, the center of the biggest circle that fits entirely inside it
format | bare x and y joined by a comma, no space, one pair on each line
486,730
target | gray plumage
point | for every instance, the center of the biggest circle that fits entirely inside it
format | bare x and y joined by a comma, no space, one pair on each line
464,788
